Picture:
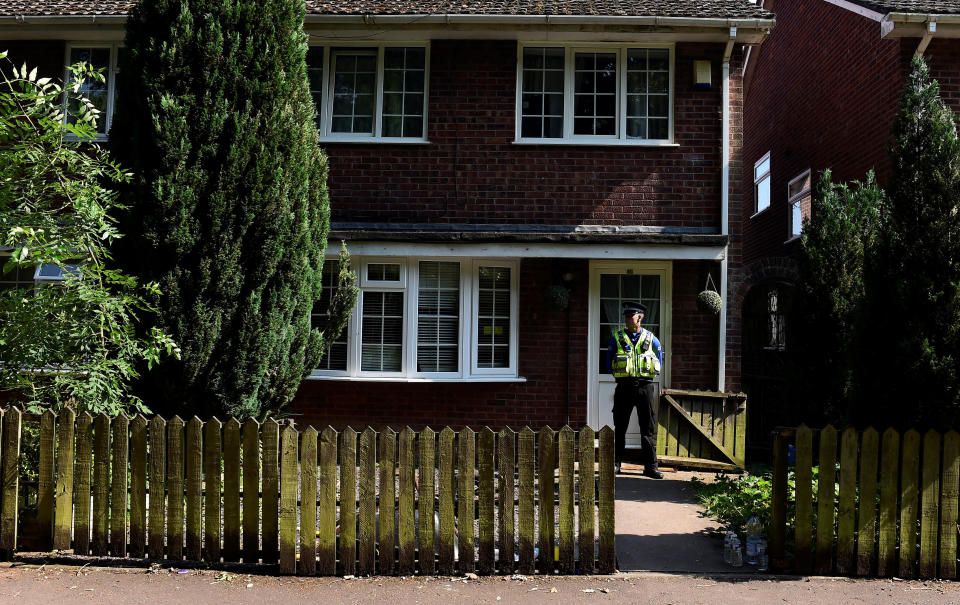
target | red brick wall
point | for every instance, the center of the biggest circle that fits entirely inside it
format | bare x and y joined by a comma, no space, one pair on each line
822,96
471,171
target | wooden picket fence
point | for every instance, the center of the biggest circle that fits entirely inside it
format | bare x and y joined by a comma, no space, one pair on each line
317,502
894,514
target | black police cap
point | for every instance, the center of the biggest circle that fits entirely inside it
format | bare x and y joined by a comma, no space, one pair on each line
629,308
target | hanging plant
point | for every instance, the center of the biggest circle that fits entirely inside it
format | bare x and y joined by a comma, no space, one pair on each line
709,300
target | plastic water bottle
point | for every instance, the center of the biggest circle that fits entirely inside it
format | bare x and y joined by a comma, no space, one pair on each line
736,553
763,559
726,548
753,538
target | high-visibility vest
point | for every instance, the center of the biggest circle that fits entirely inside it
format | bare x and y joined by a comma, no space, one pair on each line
638,361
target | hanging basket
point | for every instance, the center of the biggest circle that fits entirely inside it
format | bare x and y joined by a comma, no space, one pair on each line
709,300
558,296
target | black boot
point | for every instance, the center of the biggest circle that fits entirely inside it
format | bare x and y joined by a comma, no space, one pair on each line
652,471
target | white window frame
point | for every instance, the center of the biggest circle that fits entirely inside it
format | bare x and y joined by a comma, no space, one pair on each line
409,285
765,179
620,137
325,112
797,198
110,77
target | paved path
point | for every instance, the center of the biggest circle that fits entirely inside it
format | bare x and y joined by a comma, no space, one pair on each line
659,527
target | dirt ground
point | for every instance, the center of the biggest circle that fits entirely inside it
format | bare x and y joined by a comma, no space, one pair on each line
28,584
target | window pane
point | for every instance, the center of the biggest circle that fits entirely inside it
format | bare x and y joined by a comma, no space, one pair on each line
404,85
438,317
615,289
335,357
93,90
354,82
595,85
315,75
648,87
763,193
542,86
383,272
493,317
382,333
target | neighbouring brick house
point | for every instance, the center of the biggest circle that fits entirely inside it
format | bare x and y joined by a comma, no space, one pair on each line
821,92
484,155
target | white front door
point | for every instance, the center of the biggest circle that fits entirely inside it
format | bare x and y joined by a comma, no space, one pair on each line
612,283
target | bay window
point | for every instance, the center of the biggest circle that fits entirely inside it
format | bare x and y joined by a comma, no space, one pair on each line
369,93
429,319
612,95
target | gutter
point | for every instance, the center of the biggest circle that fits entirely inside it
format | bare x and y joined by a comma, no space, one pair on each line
724,208
45,20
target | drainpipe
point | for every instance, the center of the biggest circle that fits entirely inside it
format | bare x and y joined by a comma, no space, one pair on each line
724,208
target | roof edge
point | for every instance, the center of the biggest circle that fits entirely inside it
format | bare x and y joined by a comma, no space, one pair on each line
863,11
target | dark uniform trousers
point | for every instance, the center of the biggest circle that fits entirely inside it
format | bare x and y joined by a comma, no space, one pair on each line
640,394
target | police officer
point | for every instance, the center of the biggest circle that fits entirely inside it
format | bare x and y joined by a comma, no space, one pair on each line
635,358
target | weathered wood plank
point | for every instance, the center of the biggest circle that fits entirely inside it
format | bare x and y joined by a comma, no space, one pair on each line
929,504
673,429
348,501
270,459
175,499
289,478
846,515
367,547
327,513
63,523
565,538
506,466
308,502
251,491
158,486
698,464
426,457
867,508
546,466
485,537
138,486
696,439
46,480
81,478
406,522
740,439
526,446
663,419
10,460
778,498
909,497
466,469
101,485
823,563
194,463
607,559
446,539
949,485
587,497
213,471
387,454
803,478
231,491
889,470
118,486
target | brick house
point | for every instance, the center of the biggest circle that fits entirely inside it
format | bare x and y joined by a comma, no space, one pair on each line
821,92
505,175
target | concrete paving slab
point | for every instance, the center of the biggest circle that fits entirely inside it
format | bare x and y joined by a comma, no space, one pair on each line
660,528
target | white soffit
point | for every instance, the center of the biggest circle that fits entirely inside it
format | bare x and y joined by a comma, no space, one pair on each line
525,250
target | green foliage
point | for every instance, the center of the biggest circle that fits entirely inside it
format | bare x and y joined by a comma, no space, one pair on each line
831,290
74,341
914,277
228,210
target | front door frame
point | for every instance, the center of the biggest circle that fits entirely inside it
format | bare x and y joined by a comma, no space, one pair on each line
662,268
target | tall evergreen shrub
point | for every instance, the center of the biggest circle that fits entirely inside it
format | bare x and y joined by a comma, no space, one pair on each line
229,208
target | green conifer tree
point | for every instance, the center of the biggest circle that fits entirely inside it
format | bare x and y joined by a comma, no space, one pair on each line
914,279
229,208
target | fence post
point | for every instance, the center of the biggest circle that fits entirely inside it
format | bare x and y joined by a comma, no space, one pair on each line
101,484
525,473
566,446
804,494
81,478
158,470
289,478
607,561
485,440
213,471
11,481
175,489
506,464
270,439
138,486
823,562
406,529
778,499
251,491
308,502
950,484
587,504
231,491
45,485
930,503
387,455
447,502
466,469
327,546
910,469
64,493
367,555
348,501
546,463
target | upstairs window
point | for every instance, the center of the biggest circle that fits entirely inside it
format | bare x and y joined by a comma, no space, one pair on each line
102,57
761,183
798,196
595,95
370,92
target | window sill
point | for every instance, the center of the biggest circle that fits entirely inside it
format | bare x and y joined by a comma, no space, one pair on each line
759,212
472,379
596,142
793,238
374,140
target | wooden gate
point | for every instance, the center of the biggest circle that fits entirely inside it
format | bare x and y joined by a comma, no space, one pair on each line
702,429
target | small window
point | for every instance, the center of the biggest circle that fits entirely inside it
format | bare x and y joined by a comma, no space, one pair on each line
383,274
761,183
494,312
776,324
100,94
799,198
370,92
335,357
381,348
